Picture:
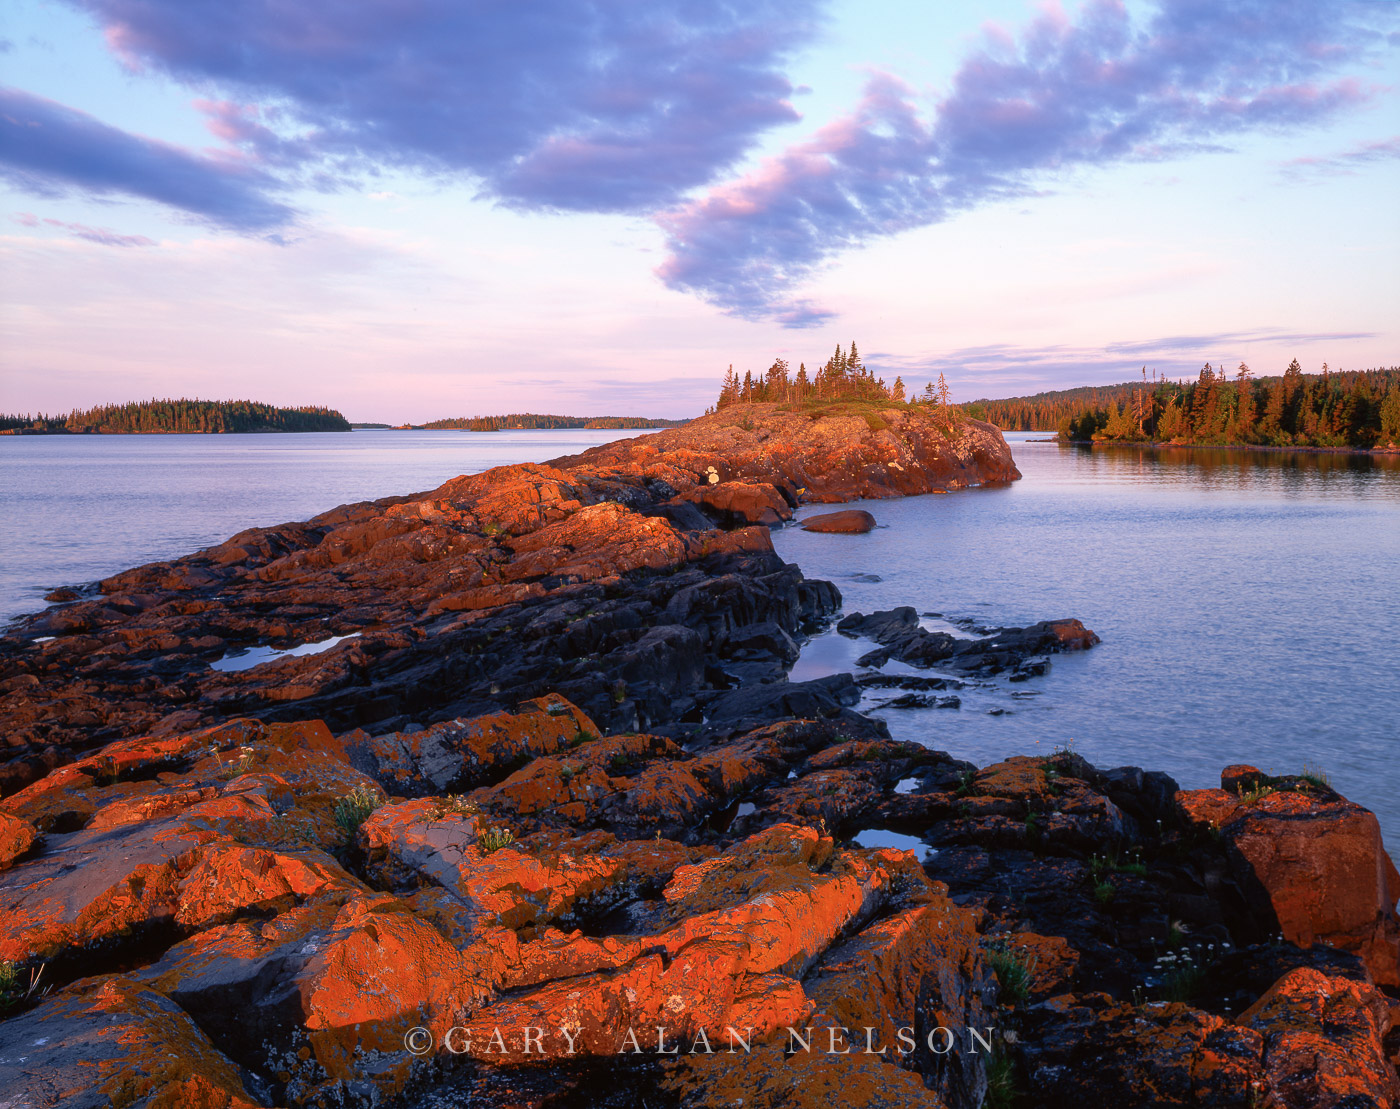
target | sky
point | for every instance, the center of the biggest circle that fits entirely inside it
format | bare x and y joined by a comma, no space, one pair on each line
414,209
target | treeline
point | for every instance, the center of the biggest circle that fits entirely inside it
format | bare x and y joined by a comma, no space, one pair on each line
1356,409
843,376
533,422
197,416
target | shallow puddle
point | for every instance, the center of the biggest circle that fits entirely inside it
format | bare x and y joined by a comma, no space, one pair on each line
879,837
256,656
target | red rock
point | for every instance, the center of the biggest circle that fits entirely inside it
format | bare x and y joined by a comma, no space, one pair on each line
458,754
515,885
1324,1042
325,992
229,878
16,837
833,455
735,503
112,1042
1051,962
1090,1050
820,1078
1240,777
1315,864
851,521
106,886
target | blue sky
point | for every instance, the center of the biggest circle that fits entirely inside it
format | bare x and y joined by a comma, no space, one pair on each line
412,210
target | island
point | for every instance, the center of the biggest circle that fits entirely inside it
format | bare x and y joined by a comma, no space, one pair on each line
1353,410
518,806
183,417
530,421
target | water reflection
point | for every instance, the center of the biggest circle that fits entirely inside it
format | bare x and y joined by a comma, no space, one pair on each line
1247,602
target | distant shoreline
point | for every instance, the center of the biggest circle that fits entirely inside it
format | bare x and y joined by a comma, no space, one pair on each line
1382,452
106,431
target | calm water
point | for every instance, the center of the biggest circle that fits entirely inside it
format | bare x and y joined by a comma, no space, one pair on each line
78,508
1249,604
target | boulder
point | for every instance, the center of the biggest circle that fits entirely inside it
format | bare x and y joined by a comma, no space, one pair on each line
1312,865
113,1042
738,504
851,521
1324,1042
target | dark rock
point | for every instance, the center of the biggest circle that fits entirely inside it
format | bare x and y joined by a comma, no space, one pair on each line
900,636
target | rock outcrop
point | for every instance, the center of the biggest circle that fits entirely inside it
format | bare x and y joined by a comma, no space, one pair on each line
630,579
1311,862
546,825
244,916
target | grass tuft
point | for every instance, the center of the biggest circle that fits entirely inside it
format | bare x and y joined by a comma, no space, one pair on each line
456,804
1316,777
1014,968
354,808
14,991
1003,1086
493,839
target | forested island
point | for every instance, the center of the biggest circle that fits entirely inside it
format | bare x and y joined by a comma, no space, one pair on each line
182,416
530,421
842,377
1357,410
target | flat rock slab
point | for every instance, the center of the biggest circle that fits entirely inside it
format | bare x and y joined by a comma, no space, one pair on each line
851,521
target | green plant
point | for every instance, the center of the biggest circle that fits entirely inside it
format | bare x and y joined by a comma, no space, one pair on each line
1316,777
1014,968
1032,824
967,783
13,991
104,770
566,772
1186,973
1003,1088
354,808
493,839
1105,892
1099,865
240,765
1255,793
457,803
620,761
1063,751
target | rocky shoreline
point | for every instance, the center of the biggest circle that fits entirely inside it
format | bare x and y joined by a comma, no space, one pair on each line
547,825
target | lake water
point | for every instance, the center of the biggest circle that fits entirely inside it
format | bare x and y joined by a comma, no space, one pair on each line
1249,603
77,508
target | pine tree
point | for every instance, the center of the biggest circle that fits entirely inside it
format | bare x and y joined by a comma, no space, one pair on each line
1244,419
897,392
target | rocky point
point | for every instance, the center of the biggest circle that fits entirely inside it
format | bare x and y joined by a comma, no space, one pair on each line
549,826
